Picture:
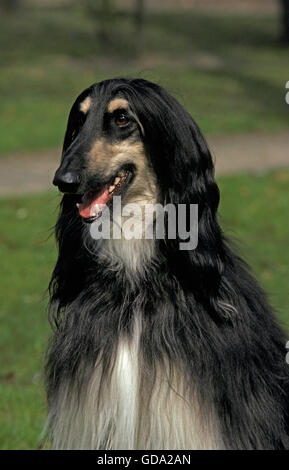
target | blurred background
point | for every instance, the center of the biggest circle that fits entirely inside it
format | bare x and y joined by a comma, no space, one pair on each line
226,61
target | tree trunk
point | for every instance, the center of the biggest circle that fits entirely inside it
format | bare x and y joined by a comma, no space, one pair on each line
285,20
139,14
104,13
9,5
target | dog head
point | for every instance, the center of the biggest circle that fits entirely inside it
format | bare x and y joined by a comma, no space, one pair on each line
130,137
104,152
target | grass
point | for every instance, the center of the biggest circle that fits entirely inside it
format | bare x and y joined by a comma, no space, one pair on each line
253,208
228,69
27,258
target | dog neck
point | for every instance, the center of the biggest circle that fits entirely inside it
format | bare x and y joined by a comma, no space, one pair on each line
127,246
133,255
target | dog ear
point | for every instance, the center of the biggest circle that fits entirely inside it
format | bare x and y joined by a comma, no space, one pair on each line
191,164
66,280
185,172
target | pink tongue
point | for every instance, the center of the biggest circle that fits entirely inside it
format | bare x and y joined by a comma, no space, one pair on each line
87,209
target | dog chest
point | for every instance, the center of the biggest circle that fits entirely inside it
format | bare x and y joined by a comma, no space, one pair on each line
127,410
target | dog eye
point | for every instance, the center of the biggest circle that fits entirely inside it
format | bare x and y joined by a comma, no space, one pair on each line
121,120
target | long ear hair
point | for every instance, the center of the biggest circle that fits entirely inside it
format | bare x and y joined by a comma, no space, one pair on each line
66,278
185,172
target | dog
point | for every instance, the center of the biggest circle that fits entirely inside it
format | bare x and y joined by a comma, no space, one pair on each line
154,347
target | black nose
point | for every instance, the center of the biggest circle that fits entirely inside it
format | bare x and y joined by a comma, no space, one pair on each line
67,181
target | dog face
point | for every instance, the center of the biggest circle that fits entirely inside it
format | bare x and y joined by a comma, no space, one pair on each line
104,154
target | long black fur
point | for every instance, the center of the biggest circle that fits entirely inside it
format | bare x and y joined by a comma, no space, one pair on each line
201,309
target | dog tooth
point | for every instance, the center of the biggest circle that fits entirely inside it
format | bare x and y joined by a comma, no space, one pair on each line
121,173
77,204
96,209
111,188
116,181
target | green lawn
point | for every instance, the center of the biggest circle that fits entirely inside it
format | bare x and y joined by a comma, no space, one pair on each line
254,209
228,70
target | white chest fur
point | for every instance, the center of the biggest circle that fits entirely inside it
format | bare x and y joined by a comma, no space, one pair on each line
114,414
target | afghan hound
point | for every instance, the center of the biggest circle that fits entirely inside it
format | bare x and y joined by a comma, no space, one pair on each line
154,346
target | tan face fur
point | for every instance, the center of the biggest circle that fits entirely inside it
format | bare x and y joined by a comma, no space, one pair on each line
85,105
107,157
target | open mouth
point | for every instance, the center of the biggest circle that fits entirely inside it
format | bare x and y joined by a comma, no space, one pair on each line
91,205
